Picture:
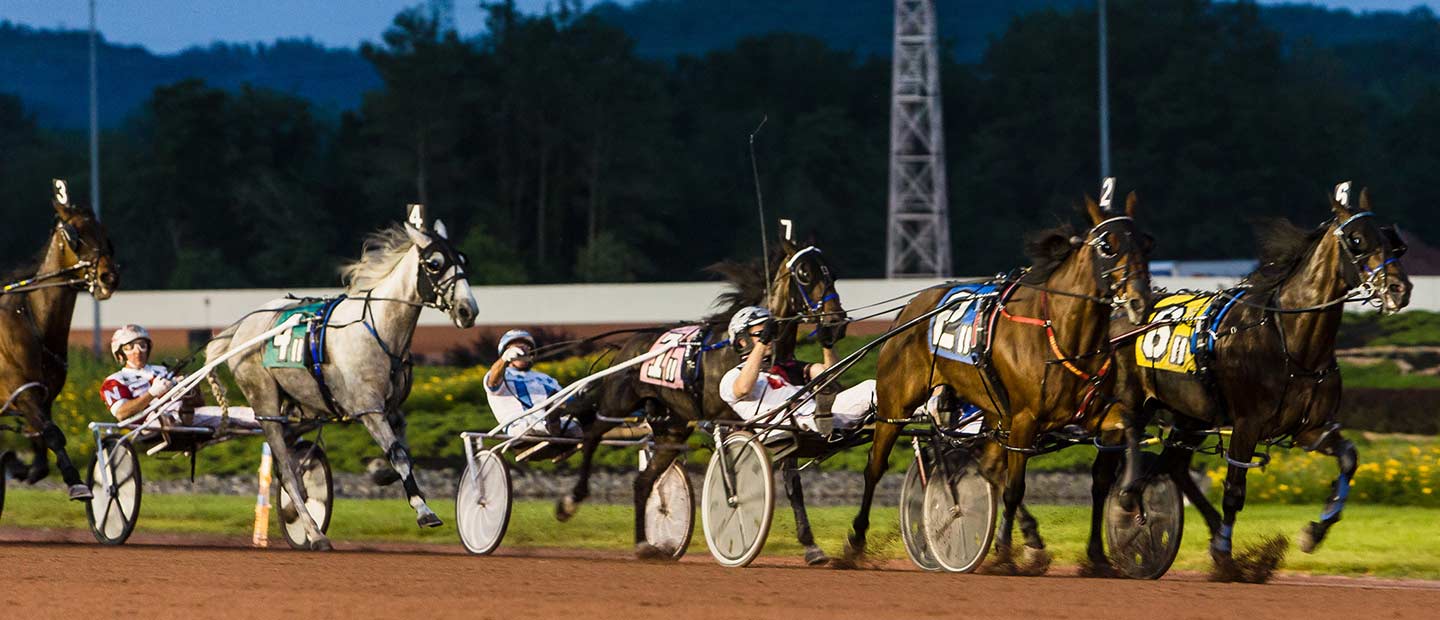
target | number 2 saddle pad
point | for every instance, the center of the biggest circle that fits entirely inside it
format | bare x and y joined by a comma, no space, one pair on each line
1183,327
668,370
959,332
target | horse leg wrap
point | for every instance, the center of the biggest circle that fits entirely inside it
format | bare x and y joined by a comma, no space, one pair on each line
1349,459
1221,542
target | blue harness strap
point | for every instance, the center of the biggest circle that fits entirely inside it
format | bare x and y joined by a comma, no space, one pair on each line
317,352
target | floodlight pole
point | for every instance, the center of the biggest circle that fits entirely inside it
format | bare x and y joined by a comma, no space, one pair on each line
94,162
1104,96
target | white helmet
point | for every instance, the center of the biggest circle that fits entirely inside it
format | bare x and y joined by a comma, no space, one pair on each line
126,335
512,336
740,325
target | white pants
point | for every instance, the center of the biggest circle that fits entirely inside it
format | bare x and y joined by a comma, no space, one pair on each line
210,416
847,411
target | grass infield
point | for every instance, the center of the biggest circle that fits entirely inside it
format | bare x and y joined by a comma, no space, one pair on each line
1383,541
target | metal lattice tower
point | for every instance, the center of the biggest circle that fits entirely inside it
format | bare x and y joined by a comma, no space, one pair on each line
918,239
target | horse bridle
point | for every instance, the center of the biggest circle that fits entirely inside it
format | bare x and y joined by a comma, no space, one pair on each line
799,288
437,290
89,267
1373,282
1098,238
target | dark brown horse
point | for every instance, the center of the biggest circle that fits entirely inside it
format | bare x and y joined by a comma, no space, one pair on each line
35,313
1044,369
801,288
1266,366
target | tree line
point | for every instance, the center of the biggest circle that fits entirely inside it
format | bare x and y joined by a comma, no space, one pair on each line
555,153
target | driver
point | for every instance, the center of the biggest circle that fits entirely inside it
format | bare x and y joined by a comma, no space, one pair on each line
138,383
759,385
513,387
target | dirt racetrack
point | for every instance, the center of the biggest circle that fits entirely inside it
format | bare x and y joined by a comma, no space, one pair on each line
59,575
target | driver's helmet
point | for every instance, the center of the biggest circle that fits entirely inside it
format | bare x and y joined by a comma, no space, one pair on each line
740,325
126,335
513,336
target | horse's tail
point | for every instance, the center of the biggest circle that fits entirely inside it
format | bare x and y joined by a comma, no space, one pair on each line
219,344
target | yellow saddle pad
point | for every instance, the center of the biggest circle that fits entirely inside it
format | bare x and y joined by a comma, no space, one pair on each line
1170,345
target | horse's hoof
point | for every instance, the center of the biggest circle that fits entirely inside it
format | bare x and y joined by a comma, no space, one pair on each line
649,552
815,557
321,545
429,519
81,493
1098,568
1307,540
381,473
1034,561
565,509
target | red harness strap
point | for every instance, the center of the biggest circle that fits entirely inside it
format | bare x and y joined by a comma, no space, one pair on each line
1060,355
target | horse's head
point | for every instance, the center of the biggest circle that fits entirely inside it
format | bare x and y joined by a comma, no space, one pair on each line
1369,252
84,245
804,287
441,282
1119,254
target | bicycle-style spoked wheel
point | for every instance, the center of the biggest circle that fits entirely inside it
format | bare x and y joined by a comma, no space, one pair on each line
912,517
737,520
959,515
670,512
482,503
1143,544
115,484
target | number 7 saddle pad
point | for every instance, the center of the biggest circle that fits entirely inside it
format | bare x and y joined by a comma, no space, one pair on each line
668,370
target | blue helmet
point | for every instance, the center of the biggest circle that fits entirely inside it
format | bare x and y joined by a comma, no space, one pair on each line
511,336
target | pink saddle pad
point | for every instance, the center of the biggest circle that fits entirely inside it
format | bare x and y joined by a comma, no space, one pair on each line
666,370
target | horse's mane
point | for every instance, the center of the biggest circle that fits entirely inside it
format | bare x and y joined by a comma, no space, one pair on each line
379,255
748,287
1047,250
1283,246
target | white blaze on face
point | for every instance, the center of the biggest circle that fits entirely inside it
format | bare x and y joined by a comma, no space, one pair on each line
463,297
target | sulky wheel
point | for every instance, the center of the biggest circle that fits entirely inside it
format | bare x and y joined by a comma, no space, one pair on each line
115,482
4,474
959,514
1143,544
316,482
482,503
670,511
912,517
736,524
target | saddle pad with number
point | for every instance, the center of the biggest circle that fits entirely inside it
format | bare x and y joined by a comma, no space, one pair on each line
1178,334
668,370
958,333
289,348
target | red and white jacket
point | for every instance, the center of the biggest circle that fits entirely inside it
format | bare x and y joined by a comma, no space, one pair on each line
129,383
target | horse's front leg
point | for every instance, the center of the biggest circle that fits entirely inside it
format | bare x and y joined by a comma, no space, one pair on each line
1021,435
50,439
290,479
399,456
885,436
1102,479
795,491
1349,459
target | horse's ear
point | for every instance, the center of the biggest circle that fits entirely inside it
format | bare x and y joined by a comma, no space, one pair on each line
440,230
1093,210
1340,200
1130,201
415,216
60,196
1365,199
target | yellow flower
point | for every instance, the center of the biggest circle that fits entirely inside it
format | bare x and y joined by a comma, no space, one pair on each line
1286,487
1425,490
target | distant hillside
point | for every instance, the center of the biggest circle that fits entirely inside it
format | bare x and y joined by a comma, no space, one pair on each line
49,70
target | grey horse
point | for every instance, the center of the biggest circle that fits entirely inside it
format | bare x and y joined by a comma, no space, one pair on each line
366,352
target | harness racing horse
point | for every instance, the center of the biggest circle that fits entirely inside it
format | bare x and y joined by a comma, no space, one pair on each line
1265,363
35,315
1043,365
802,290
365,344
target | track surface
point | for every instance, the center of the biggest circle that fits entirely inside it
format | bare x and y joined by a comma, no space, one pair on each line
55,575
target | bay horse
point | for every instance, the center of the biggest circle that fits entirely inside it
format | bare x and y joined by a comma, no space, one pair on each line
366,351
801,289
1268,369
1045,367
35,314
